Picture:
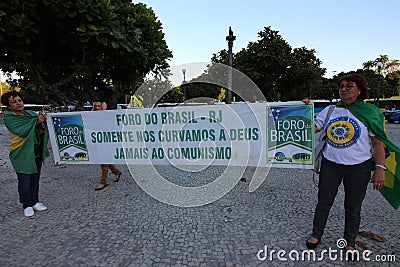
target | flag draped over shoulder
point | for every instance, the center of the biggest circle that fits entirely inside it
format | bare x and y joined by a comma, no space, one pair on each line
373,118
22,134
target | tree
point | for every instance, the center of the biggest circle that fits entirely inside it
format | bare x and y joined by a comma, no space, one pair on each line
368,65
393,66
175,95
279,72
265,61
303,77
328,89
392,81
388,66
390,75
208,85
159,89
80,49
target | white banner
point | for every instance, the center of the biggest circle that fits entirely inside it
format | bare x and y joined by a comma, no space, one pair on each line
240,134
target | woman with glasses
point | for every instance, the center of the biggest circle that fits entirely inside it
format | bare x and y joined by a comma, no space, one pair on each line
355,132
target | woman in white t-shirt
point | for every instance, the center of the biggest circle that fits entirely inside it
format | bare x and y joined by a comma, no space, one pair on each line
347,158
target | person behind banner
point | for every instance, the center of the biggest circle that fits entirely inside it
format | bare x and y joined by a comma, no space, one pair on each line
352,131
28,149
96,106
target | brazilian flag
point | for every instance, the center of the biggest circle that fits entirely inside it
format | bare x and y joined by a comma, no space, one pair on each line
373,118
22,131
391,190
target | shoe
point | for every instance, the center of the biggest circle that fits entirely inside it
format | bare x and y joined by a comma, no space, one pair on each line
310,245
117,176
100,187
28,212
39,207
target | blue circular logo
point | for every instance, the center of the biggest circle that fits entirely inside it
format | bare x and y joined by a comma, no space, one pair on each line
279,156
343,132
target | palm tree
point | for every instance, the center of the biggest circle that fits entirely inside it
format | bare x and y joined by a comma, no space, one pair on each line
368,65
393,66
384,59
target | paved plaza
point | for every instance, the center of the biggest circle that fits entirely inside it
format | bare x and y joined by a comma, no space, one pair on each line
123,226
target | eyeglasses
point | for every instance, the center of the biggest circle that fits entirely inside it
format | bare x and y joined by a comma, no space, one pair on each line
347,86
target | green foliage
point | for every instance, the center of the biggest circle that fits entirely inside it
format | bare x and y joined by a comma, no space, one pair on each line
205,85
389,74
200,90
393,84
159,89
175,95
280,72
283,73
136,102
80,49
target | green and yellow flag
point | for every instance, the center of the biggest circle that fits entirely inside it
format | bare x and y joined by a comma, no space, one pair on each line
373,118
22,131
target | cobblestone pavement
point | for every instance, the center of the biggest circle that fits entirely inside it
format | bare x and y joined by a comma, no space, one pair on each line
123,226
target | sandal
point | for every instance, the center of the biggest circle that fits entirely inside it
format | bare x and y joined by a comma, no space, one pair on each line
312,245
117,176
100,187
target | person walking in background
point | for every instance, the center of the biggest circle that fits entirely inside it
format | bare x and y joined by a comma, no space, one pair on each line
355,134
28,149
102,105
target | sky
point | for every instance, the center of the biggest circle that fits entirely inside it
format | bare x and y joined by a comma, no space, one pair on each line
344,33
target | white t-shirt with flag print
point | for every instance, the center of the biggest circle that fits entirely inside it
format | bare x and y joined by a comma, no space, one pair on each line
348,138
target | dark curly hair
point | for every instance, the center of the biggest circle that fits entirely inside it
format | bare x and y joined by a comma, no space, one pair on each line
6,96
360,81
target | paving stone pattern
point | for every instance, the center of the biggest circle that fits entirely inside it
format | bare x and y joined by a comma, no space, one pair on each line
123,226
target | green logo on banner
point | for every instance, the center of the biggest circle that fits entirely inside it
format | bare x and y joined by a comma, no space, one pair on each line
289,134
291,129
70,138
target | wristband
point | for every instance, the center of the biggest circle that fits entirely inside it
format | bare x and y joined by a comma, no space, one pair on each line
380,166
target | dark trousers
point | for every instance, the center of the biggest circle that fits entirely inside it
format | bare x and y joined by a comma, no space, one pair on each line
28,186
355,180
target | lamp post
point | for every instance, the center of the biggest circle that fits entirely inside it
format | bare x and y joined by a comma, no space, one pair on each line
379,64
230,38
183,84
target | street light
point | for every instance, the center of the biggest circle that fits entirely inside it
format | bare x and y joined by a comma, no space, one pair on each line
379,64
183,83
230,38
